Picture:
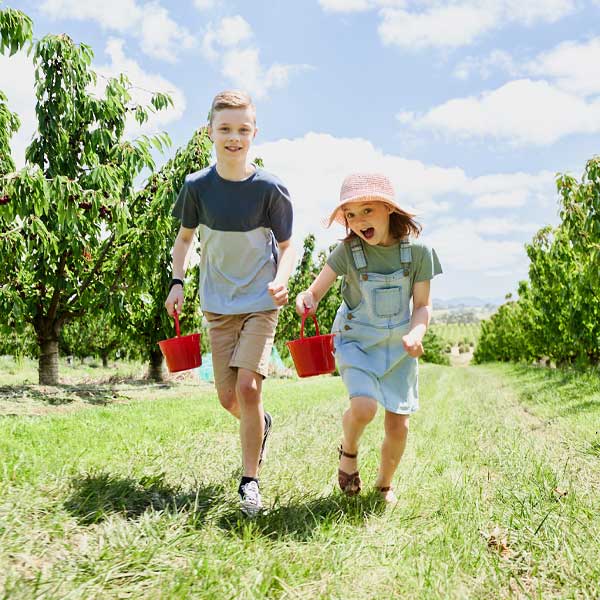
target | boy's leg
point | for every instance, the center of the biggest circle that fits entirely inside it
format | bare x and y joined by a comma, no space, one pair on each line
361,412
224,333
392,449
249,388
251,357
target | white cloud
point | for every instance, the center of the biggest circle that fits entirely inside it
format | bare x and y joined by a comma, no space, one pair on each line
572,65
521,111
159,35
483,66
464,249
434,193
424,24
230,31
447,26
18,83
350,6
225,44
205,4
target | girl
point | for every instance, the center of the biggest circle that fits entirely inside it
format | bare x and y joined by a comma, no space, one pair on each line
377,340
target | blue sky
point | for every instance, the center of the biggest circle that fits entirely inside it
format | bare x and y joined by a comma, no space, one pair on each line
471,107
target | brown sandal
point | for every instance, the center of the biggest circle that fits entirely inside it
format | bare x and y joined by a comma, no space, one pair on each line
349,483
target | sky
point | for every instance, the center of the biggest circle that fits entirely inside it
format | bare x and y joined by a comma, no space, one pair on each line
470,107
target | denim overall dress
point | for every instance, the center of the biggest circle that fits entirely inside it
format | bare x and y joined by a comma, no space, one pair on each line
368,342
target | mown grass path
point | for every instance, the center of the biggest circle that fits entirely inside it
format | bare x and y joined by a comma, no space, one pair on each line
498,497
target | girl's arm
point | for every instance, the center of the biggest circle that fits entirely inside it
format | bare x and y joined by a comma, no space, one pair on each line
421,314
310,298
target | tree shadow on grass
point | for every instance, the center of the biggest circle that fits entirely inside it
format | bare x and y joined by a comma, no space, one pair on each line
60,394
97,496
566,391
300,518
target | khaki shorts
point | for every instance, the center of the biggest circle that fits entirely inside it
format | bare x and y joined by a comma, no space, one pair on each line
240,341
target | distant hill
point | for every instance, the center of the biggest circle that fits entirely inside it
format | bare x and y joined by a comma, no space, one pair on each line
466,302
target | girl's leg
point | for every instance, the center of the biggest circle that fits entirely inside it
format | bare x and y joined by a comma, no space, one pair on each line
361,412
394,442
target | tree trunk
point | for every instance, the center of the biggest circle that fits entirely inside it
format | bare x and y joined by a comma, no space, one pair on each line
155,366
48,362
105,360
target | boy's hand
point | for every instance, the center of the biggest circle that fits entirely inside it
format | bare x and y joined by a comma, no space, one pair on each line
174,300
279,293
412,345
305,301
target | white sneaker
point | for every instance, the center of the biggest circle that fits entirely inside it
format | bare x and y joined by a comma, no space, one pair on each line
250,501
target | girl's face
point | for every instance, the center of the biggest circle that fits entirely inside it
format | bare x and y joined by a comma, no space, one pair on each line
370,221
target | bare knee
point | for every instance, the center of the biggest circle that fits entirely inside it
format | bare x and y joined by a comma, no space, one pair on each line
396,426
227,398
248,388
363,409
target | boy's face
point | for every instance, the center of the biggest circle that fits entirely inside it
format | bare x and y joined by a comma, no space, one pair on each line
232,131
370,221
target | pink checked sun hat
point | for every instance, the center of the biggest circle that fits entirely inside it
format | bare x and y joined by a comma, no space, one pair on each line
365,187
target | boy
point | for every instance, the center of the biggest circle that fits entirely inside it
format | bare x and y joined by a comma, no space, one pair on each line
244,220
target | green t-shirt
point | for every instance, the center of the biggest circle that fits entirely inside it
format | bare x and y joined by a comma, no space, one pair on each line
381,259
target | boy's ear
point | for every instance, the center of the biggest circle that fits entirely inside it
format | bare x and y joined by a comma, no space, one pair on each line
255,132
209,131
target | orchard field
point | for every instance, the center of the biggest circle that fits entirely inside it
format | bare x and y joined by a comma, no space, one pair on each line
115,487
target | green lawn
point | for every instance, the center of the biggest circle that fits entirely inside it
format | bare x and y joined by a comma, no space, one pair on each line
132,495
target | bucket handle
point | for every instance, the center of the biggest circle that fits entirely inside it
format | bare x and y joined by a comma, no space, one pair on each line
177,330
304,317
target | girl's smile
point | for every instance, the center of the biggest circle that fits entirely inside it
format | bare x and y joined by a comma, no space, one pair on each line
370,221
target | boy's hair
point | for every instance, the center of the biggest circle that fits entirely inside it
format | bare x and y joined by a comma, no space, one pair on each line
231,99
402,224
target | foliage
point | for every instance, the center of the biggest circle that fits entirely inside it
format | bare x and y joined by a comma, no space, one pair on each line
64,213
145,251
15,32
434,349
288,327
557,315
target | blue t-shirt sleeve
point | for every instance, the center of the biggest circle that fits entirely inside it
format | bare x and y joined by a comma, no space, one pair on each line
281,214
186,207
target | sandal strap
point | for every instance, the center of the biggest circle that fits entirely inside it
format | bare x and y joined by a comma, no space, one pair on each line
384,489
342,452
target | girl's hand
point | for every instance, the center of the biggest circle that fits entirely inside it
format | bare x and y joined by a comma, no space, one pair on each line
278,292
413,346
305,301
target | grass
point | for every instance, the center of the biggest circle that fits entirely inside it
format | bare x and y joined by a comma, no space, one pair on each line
135,497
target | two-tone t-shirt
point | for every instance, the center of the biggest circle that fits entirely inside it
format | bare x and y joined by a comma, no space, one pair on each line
239,224
384,260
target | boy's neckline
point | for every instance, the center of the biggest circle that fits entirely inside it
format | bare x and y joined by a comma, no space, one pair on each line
216,170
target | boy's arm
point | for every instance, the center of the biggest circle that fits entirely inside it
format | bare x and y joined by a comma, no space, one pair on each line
278,287
181,249
421,314
318,288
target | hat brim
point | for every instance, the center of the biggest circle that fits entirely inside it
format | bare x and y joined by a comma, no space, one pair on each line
338,216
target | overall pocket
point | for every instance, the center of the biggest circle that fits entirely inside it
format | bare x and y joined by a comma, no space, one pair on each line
387,301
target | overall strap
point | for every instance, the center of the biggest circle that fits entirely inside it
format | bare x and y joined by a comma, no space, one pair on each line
358,254
405,255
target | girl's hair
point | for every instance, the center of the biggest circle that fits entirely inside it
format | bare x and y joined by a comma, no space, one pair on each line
402,224
231,99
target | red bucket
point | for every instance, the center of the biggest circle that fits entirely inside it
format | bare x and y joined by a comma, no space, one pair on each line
312,355
182,352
